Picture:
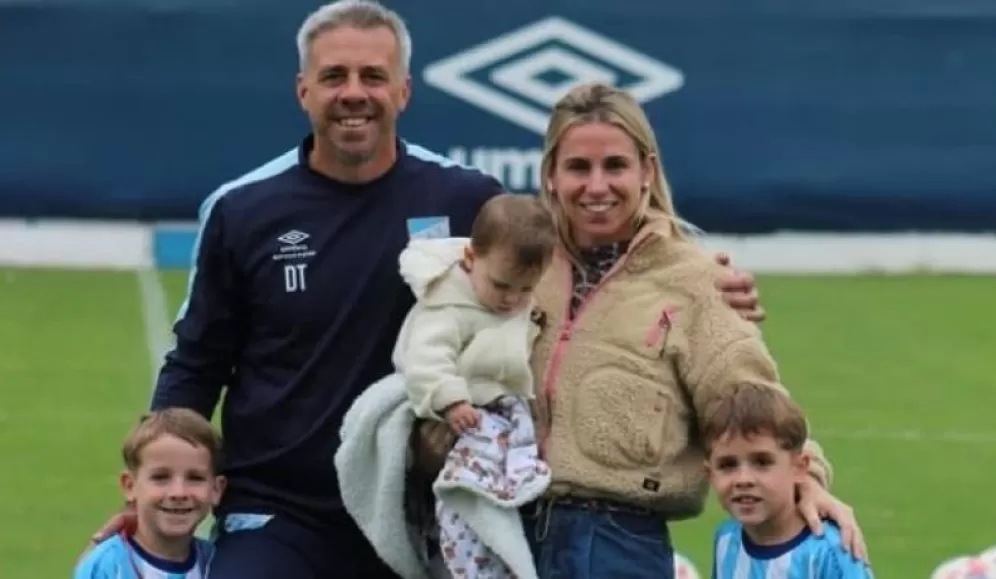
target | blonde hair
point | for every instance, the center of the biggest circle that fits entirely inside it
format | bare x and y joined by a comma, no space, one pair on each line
182,423
601,103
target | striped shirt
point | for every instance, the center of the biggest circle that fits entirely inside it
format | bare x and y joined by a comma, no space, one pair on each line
122,558
806,556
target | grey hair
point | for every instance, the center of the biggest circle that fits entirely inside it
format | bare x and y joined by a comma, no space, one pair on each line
357,13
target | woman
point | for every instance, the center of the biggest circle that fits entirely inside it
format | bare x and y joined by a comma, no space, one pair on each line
635,343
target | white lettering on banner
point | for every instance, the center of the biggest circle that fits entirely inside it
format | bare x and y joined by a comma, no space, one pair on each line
517,169
294,278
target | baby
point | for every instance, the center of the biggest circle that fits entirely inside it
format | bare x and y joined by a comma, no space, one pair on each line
465,360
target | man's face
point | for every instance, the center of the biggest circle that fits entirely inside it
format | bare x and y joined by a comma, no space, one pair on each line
353,88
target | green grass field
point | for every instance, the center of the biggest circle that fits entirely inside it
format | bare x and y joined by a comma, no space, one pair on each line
895,372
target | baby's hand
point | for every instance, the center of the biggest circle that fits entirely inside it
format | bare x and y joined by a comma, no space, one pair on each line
462,417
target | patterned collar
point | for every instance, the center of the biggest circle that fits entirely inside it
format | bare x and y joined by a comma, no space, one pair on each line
599,260
595,263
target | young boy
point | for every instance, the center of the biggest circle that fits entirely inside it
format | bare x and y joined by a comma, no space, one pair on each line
754,441
464,356
171,462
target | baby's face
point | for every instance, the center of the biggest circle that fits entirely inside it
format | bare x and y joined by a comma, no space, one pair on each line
498,284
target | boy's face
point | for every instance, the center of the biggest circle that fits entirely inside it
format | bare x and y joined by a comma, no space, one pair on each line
174,488
754,477
497,284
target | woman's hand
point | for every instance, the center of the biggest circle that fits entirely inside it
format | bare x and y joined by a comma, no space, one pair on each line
740,291
816,504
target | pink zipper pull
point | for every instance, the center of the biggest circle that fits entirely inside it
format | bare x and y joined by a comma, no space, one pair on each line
663,323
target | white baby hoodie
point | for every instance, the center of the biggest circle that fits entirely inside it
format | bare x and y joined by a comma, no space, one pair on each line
452,348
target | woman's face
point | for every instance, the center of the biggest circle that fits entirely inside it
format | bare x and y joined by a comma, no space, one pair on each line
597,179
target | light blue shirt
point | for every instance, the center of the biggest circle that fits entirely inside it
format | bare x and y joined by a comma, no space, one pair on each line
121,558
804,557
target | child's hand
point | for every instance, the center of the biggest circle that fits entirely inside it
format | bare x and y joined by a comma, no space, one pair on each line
462,417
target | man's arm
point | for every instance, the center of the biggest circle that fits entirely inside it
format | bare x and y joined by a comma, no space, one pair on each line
739,290
472,194
210,327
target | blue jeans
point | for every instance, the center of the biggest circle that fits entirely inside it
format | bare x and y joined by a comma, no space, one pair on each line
580,543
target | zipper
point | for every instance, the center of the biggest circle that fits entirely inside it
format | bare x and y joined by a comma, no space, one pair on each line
663,323
566,330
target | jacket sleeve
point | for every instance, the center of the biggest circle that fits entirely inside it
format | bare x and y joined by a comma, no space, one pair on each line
430,363
209,329
715,350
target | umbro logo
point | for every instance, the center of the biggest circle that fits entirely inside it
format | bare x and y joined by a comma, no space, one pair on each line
293,237
519,76
294,246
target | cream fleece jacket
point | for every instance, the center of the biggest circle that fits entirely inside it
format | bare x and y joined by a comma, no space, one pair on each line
452,348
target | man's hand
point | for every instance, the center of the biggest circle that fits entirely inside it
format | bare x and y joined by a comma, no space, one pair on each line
739,291
462,417
125,521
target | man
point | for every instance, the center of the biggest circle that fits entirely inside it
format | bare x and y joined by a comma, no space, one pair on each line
295,300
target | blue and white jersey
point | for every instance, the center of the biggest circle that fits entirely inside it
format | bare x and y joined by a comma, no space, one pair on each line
122,558
806,556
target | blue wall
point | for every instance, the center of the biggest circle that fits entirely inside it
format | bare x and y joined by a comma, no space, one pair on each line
798,114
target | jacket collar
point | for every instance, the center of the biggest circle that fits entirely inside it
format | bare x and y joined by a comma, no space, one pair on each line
646,249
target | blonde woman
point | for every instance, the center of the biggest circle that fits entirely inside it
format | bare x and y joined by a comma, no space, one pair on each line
635,344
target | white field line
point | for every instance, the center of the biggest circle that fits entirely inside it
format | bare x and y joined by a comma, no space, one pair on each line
158,339
908,435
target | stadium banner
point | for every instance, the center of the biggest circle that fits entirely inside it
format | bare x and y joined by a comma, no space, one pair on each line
848,116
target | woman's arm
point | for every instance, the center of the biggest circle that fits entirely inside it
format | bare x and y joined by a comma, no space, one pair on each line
819,467
716,349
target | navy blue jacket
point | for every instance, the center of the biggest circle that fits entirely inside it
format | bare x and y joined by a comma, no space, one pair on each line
294,305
